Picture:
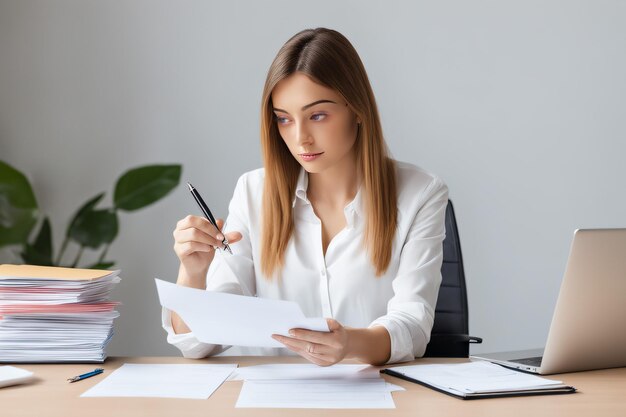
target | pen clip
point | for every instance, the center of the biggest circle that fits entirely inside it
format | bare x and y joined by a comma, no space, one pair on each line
227,247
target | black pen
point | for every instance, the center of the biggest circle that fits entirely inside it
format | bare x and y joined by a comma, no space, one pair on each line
208,214
96,371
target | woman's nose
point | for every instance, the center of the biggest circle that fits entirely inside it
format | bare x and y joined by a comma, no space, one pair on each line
303,136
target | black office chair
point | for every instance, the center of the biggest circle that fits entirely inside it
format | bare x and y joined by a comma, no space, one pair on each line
449,337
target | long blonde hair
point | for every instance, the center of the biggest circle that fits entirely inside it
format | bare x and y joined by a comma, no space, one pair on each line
329,59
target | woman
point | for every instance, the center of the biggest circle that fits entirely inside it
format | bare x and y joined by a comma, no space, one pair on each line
331,222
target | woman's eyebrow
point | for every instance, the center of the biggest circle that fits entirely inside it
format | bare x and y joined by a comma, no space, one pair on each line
307,106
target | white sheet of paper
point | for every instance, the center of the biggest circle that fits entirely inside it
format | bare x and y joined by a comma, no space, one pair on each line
319,393
304,371
393,387
11,375
229,319
162,380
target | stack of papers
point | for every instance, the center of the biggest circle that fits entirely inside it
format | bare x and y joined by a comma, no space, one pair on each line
478,380
50,314
311,386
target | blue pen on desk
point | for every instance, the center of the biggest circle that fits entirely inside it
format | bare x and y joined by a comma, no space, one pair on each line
96,371
208,214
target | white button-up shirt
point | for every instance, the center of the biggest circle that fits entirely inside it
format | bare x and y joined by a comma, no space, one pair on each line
341,284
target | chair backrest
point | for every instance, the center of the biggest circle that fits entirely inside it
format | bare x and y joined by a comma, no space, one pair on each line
449,336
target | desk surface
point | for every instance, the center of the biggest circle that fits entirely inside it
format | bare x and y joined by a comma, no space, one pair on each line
601,393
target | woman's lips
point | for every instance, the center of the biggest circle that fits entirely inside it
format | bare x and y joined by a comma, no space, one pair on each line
308,157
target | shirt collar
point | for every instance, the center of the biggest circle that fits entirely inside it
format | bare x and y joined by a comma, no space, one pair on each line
352,211
301,187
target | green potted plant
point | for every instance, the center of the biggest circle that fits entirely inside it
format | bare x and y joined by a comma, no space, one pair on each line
90,227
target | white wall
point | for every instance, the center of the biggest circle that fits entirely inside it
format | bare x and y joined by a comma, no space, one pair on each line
519,106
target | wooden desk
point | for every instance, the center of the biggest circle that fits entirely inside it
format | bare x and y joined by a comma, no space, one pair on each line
602,393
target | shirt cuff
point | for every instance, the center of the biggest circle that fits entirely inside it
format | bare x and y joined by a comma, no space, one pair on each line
187,343
402,349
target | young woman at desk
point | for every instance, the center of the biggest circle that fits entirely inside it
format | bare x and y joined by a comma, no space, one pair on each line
331,222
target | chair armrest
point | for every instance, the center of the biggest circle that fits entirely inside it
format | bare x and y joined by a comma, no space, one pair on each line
455,338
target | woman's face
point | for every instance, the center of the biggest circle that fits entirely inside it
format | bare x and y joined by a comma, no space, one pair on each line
315,122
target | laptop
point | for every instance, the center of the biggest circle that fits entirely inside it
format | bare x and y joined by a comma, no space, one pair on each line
588,329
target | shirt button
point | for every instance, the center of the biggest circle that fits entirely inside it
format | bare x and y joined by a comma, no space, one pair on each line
323,272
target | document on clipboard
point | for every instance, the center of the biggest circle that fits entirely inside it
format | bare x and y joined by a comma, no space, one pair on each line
480,379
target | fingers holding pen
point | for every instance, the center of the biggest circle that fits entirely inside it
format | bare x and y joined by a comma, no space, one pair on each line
195,234
200,230
196,222
232,237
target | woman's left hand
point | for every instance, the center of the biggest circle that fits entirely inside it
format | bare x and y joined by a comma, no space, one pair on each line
321,348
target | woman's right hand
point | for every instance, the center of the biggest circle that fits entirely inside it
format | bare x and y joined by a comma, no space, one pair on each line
195,242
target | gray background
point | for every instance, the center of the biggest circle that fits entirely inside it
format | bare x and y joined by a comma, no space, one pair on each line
519,106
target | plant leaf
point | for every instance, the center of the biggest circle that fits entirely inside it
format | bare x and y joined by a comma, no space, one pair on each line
140,187
18,206
94,228
82,212
40,251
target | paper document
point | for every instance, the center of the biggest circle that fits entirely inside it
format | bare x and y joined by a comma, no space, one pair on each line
162,380
304,371
318,393
312,386
229,319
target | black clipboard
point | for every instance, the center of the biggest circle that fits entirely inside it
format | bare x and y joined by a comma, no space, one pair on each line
477,396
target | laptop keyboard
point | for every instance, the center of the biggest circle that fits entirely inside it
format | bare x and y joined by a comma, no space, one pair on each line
536,361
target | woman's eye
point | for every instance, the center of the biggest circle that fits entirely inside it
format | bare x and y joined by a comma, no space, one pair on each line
315,117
